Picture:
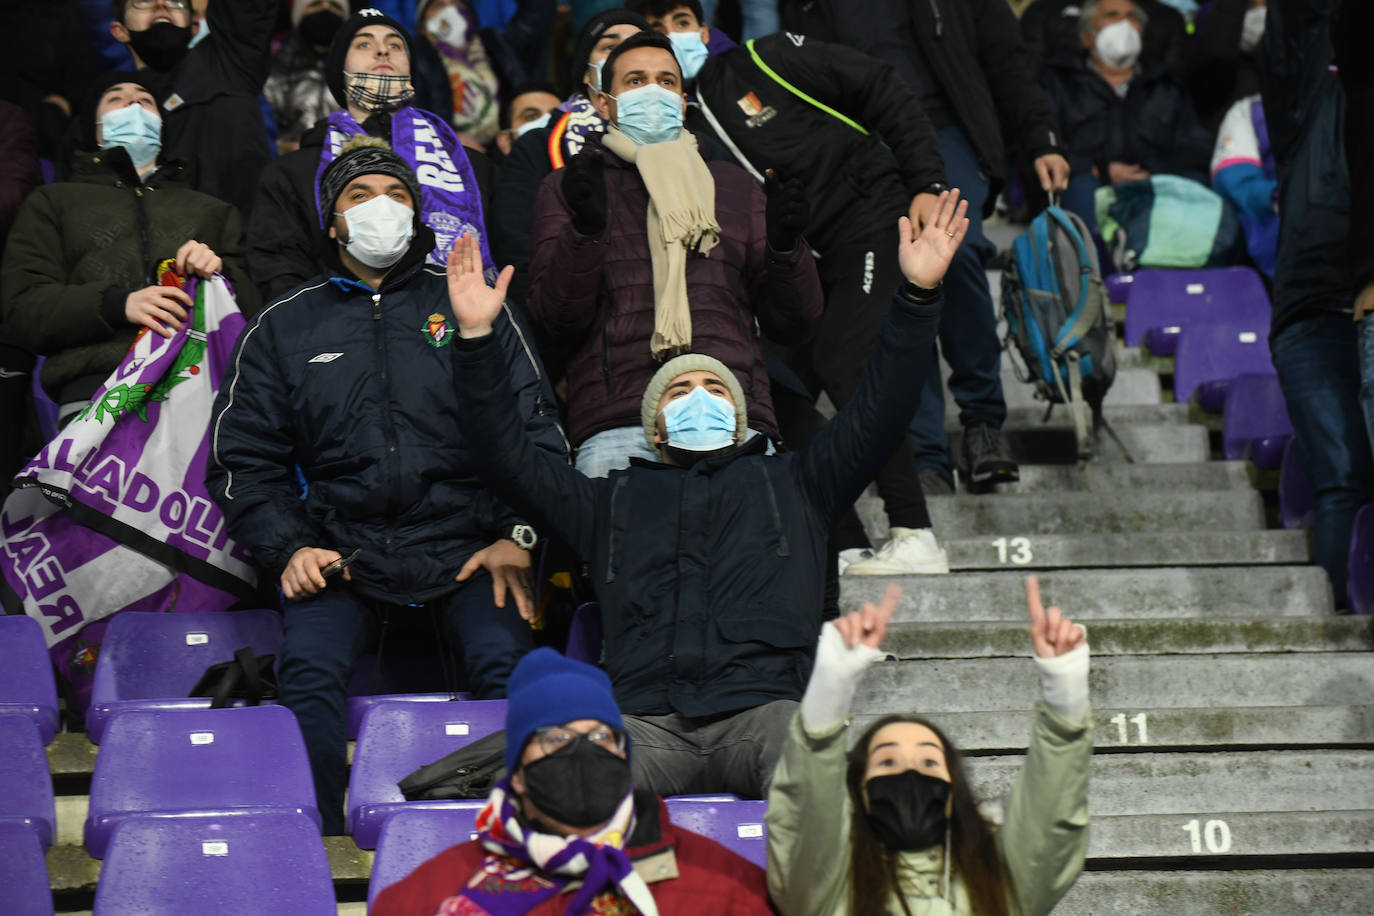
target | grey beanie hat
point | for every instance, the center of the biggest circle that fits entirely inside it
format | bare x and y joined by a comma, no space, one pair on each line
690,362
364,155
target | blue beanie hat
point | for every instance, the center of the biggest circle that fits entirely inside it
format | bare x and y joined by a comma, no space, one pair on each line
548,689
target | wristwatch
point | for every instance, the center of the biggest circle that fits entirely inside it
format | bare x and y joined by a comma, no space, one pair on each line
524,537
935,187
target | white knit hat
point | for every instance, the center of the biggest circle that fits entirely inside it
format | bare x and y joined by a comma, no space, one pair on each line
690,362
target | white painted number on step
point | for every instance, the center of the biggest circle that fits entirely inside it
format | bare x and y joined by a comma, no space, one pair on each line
1139,721
1013,550
1217,835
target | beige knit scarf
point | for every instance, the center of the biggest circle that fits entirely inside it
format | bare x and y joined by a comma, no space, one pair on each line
682,218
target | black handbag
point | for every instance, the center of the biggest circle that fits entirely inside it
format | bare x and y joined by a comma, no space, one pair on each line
468,772
248,677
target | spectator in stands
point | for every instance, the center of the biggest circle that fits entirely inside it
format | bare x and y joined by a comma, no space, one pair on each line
48,67
859,184
296,87
530,107
1124,117
210,92
966,64
1243,172
644,251
1312,335
684,22
893,825
568,831
474,109
1050,29
547,149
80,276
368,70
387,480
1224,57
708,564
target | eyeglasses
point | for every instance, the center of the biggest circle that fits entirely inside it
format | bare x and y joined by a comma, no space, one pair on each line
170,4
555,738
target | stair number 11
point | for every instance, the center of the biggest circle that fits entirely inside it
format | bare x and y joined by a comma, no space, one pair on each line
1120,721
1013,550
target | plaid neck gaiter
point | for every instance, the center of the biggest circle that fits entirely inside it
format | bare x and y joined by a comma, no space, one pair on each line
378,92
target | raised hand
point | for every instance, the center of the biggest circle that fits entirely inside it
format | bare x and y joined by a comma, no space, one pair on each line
868,626
787,211
925,256
584,189
475,305
1052,634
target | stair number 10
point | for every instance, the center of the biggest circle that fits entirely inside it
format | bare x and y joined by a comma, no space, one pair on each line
1013,550
1216,833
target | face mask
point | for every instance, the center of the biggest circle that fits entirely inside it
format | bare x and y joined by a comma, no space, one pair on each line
379,231
580,786
690,52
907,810
200,33
533,125
649,114
1119,44
448,26
1252,30
136,129
700,422
596,80
374,92
319,27
161,46
1186,8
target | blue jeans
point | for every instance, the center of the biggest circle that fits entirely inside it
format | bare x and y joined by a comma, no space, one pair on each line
322,639
968,327
760,16
612,449
1365,333
1319,371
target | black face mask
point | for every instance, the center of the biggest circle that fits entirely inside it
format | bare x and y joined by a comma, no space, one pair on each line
319,27
161,46
907,810
580,786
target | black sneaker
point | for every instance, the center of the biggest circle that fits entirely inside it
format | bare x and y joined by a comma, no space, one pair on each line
933,483
987,457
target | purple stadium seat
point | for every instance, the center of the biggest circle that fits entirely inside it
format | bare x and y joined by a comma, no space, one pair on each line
23,872
27,687
1119,287
358,706
399,737
584,637
151,661
413,836
173,763
732,822
1256,425
269,864
1210,354
1295,489
1161,302
25,784
1362,562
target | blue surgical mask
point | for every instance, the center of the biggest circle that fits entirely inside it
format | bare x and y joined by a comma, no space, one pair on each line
649,114
700,422
690,51
533,125
136,129
598,67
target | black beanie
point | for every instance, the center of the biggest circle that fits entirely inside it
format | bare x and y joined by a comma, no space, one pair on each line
591,34
338,49
83,125
364,155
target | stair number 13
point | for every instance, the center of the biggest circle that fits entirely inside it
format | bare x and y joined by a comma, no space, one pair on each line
1013,550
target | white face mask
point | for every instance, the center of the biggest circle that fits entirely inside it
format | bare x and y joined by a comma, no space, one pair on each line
1119,44
448,26
1252,30
379,231
596,81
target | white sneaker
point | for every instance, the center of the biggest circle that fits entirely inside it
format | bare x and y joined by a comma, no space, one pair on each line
853,555
909,552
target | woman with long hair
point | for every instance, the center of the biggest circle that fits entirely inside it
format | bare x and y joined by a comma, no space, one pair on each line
893,826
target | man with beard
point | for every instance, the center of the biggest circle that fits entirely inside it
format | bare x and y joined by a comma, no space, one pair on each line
210,92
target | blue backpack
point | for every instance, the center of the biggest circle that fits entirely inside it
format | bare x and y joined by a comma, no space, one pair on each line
1057,315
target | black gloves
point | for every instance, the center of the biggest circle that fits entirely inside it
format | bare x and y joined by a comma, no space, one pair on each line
787,213
584,188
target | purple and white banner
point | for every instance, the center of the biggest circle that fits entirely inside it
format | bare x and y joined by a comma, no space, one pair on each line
113,513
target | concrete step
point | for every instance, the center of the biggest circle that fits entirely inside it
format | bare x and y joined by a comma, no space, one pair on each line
1237,835
1197,636
1165,681
1166,443
1284,892
1114,477
1132,386
1138,594
1032,418
1133,730
1070,513
1174,548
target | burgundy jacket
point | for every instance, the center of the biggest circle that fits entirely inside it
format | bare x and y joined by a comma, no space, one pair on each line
596,294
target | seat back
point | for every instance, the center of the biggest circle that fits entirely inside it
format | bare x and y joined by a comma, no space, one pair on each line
151,661
1361,580
412,836
171,763
23,872
268,864
27,686
398,737
1161,303
735,823
1256,424
26,795
1211,353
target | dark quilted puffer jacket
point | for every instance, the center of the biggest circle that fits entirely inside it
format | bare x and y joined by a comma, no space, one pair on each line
597,294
